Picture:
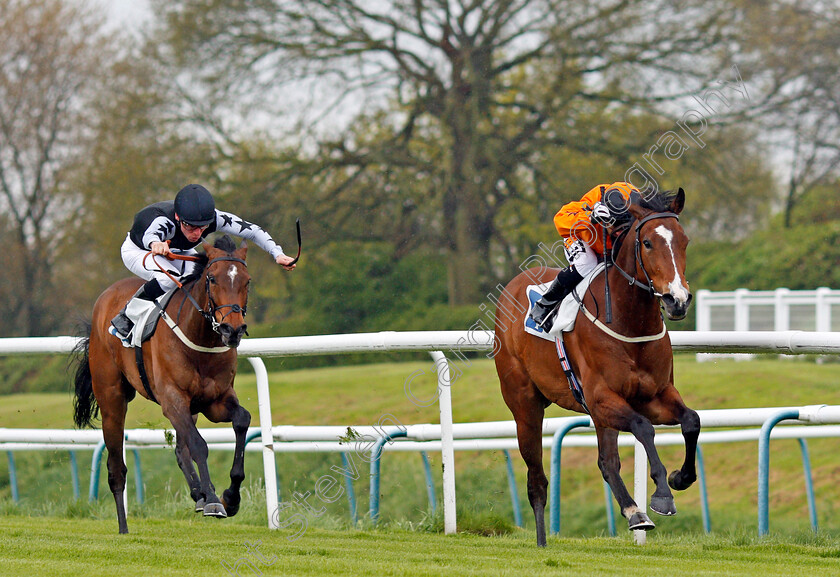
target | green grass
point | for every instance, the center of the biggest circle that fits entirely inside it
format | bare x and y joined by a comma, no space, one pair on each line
167,547
360,395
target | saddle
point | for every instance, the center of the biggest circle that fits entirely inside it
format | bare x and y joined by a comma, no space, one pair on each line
565,313
145,316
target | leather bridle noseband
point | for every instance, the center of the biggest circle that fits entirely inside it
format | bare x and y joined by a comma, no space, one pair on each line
633,280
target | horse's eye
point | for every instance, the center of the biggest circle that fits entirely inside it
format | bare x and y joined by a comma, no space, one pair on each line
212,279
646,243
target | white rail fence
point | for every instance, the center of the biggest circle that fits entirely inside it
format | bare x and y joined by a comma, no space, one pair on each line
455,343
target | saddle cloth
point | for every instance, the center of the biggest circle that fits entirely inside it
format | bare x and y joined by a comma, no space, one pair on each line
145,316
565,314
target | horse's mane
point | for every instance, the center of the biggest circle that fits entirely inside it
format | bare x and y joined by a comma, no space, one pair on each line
224,243
653,199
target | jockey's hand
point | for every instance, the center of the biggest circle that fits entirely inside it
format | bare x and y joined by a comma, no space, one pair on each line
284,261
601,214
161,248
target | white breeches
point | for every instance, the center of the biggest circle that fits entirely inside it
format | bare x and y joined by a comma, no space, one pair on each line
581,255
133,256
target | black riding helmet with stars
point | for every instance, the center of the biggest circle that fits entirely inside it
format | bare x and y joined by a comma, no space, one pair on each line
195,206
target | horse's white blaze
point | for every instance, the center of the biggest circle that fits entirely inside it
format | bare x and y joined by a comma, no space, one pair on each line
675,287
232,272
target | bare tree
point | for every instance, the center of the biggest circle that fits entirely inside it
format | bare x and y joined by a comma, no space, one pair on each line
51,63
454,70
795,50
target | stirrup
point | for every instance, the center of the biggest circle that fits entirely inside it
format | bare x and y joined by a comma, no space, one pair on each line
125,340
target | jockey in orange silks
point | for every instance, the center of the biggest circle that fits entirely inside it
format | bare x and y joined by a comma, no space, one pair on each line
581,224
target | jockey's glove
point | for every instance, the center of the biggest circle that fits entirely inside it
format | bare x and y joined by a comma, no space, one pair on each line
601,214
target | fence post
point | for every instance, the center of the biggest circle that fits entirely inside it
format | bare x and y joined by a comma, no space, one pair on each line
95,460
554,471
430,483
13,477
704,497
640,472
267,439
447,453
764,466
809,484
514,494
74,474
375,458
781,310
823,310
348,483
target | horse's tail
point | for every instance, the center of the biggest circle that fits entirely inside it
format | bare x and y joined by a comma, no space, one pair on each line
85,408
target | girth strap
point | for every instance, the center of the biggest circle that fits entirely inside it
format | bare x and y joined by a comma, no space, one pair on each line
574,383
141,368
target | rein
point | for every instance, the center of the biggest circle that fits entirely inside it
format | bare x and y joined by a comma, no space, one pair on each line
210,314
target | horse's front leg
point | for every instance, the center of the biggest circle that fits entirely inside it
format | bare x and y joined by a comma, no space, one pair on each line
185,463
230,410
614,412
669,409
178,413
683,478
609,463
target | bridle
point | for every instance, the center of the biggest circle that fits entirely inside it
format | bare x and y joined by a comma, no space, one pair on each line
212,308
637,249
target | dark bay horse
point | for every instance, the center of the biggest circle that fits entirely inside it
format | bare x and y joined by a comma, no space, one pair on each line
185,378
628,382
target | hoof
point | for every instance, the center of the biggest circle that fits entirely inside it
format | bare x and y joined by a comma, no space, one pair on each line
199,506
215,510
663,506
679,482
639,521
231,501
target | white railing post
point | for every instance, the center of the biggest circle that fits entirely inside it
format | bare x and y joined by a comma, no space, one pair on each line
781,310
742,309
267,441
450,522
704,311
640,470
823,310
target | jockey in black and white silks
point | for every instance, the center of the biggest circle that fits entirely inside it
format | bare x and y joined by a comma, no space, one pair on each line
177,227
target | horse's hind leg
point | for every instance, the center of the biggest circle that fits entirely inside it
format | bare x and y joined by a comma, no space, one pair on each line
610,464
528,408
110,392
225,410
112,407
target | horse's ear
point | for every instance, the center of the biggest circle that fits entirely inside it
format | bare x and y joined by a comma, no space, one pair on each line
242,250
635,207
678,202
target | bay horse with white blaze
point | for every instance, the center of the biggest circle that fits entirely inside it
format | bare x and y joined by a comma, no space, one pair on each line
185,376
625,370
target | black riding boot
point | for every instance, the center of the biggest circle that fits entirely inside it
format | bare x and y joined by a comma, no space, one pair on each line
148,292
567,279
